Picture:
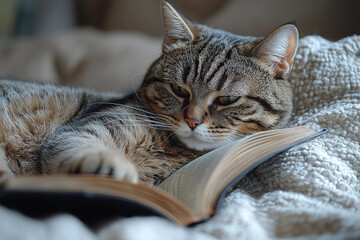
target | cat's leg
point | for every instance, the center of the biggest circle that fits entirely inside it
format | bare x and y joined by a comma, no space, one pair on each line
88,149
5,172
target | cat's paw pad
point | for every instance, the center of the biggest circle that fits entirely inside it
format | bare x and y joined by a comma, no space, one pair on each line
106,163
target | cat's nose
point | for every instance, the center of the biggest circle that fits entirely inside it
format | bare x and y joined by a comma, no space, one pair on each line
193,122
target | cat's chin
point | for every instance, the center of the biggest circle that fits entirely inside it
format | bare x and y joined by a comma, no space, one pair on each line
193,142
197,139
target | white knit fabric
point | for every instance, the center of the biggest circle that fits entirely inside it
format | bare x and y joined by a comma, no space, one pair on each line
310,192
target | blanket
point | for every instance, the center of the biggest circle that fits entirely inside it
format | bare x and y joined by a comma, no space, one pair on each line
309,192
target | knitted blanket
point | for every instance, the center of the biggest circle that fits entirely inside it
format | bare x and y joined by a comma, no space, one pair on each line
309,192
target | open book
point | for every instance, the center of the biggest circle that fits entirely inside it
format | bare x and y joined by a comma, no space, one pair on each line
190,195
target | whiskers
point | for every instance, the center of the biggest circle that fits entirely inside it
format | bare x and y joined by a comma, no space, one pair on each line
132,107
136,92
135,117
132,122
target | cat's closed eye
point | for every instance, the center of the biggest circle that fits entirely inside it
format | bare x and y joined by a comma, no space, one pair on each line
219,86
180,91
226,100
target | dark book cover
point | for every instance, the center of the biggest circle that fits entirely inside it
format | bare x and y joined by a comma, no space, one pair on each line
93,208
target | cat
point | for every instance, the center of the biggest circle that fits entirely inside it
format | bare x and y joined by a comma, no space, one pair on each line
208,87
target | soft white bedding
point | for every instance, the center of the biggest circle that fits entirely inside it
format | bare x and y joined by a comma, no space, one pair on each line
310,192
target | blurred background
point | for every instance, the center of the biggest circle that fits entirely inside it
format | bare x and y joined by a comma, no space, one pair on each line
109,44
332,19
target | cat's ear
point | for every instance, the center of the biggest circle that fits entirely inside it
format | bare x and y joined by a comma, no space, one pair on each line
279,49
176,27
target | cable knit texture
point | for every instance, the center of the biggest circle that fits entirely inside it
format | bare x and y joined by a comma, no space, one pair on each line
310,192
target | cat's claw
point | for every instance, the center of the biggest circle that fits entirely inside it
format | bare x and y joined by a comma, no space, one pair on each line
106,163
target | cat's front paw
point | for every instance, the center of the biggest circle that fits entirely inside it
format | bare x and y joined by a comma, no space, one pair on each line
106,163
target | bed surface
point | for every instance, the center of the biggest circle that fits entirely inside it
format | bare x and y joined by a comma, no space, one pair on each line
310,192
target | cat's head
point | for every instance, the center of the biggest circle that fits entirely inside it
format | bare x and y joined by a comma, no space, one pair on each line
213,87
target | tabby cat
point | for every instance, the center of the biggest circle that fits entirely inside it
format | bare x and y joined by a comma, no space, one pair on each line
209,87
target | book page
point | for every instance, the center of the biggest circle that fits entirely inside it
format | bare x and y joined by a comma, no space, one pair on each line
239,161
200,183
187,184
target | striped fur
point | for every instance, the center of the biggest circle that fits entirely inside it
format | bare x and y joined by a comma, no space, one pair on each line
212,65
209,87
46,129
